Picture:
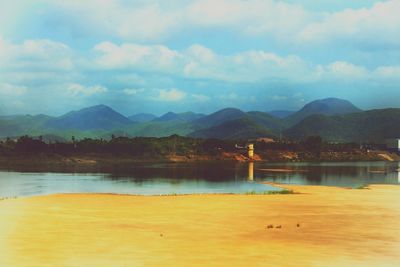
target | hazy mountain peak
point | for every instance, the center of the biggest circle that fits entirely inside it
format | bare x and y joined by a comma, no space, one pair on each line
229,109
327,106
331,101
368,126
219,117
95,117
185,116
96,108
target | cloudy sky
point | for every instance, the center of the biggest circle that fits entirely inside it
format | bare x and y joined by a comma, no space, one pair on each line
200,55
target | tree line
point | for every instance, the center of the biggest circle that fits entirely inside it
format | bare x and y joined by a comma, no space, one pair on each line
137,146
158,147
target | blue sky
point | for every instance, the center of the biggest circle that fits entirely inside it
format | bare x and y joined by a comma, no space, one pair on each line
198,55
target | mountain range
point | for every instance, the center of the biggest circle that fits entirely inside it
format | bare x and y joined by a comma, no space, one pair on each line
333,119
142,117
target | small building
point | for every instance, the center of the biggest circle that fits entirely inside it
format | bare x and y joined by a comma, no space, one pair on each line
393,145
250,151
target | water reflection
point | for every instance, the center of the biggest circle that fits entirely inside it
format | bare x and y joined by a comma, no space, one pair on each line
185,178
349,174
250,176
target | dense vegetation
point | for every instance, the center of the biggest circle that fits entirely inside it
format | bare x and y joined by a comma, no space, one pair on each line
367,126
150,147
135,147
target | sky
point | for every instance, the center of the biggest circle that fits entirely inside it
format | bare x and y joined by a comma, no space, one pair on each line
157,56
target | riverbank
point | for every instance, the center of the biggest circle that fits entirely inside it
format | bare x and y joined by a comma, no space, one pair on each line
322,226
89,162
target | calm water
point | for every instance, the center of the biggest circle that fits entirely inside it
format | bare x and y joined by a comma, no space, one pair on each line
156,179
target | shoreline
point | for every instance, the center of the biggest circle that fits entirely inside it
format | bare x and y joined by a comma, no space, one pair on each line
321,226
47,161
82,160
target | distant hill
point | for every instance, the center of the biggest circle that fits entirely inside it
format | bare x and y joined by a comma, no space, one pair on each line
273,124
372,125
248,125
328,106
186,116
333,119
17,125
241,128
218,117
142,117
97,117
159,128
281,113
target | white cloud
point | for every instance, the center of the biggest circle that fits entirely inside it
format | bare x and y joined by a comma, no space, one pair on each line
3,47
200,53
252,66
44,68
131,91
199,62
230,96
278,97
288,22
135,20
12,90
148,22
47,62
152,58
156,20
170,95
378,25
35,55
200,98
10,14
341,70
345,71
36,69
388,72
252,17
78,89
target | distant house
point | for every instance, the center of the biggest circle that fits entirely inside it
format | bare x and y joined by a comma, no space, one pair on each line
393,145
265,140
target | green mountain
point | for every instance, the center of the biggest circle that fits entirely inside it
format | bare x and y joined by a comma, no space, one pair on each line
218,117
142,117
273,124
159,128
183,117
281,113
328,106
372,125
241,128
248,125
17,125
340,122
99,117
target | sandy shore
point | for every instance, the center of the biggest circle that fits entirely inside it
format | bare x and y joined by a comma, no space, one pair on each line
337,227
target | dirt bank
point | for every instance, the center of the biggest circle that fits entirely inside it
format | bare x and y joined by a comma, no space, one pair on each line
323,226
